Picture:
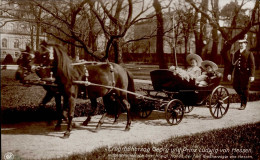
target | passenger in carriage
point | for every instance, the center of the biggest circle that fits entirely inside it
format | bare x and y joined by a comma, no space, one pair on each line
193,71
210,73
194,61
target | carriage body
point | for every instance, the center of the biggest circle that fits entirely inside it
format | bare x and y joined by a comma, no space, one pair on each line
188,92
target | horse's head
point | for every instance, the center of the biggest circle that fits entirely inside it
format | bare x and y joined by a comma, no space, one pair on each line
25,64
45,55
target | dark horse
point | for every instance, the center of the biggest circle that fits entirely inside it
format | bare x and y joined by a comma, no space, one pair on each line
106,74
25,60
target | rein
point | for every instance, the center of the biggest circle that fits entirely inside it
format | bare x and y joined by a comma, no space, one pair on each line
87,83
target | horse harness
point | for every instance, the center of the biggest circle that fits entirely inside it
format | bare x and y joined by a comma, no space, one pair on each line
112,73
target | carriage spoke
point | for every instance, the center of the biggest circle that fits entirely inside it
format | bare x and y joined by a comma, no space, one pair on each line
217,111
222,107
221,91
225,98
220,110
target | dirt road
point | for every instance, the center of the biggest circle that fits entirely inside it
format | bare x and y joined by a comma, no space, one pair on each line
36,140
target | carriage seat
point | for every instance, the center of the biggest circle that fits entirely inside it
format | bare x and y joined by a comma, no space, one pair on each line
163,79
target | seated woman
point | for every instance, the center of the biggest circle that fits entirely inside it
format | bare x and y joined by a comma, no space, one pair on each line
210,72
192,72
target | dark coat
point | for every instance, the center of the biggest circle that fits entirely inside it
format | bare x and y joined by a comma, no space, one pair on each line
244,67
243,63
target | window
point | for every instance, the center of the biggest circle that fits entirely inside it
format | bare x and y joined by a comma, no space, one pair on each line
3,54
16,43
10,26
4,42
16,54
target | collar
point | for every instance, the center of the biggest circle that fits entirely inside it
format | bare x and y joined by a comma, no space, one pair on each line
242,50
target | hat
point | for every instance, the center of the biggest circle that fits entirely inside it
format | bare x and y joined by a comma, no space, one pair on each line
194,56
244,40
206,63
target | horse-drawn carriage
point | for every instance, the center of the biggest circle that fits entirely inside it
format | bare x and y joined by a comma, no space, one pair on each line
170,93
181,96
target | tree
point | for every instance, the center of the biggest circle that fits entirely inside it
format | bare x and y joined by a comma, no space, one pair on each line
214,48
160,34
227,32
200,30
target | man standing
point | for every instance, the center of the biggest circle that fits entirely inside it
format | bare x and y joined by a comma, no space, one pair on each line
243,64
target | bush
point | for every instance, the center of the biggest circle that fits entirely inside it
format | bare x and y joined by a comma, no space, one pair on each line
8,60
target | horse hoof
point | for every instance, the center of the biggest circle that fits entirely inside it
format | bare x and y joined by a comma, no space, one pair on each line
66,135
85,123
127,129
97,129
74,125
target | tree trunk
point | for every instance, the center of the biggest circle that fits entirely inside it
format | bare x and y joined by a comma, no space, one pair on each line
117,51
38,28
186,49
159,37
227,59
214,49
32,37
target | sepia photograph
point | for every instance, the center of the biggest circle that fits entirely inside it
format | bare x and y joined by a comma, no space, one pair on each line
130,79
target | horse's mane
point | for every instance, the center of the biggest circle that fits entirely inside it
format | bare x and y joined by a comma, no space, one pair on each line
64,68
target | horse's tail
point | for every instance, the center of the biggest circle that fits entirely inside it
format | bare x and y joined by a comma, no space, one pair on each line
131,87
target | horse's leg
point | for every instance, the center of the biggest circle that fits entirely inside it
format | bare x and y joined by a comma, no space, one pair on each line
117,108
59,111
71,105
47,98
101,121
71,96
127,105
116,118
114,101
91,113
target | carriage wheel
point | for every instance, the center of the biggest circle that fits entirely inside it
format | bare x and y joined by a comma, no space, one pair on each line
174,112
188,109
145,109
219,102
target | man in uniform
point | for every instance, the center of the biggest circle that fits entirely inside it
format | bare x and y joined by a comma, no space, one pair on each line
243,64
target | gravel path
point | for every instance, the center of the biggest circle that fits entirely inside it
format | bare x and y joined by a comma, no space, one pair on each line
36,140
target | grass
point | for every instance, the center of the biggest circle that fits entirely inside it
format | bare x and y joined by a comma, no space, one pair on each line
231,143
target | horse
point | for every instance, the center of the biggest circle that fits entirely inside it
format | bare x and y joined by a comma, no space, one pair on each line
105,74
24,69
25,63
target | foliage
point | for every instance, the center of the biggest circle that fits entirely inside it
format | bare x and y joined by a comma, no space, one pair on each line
231,10
8,60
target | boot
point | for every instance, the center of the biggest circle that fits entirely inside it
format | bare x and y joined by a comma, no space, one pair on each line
242,107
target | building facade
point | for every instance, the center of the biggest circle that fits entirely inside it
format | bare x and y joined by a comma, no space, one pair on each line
15,35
